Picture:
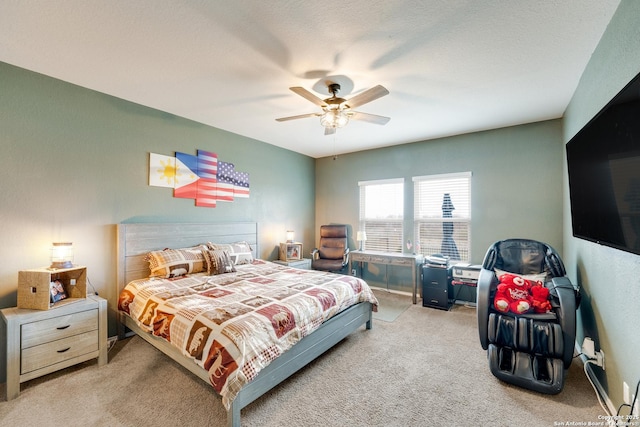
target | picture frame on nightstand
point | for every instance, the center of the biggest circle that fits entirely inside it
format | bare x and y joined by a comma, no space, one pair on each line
56,289
290,251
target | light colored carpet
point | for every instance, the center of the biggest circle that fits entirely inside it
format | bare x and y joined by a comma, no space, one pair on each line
424,369
390,305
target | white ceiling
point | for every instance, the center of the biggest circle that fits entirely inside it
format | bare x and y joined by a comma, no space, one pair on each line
451,66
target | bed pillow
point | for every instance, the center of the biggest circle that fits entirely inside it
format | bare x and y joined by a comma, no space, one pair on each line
176,262
218,262
240,252
540,277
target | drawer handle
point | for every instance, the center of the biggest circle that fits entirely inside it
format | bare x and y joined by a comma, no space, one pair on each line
66,349
62,327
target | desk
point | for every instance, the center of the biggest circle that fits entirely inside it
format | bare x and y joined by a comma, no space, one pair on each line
402,260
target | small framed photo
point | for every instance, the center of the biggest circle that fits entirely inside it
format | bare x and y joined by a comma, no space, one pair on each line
57,292
290,251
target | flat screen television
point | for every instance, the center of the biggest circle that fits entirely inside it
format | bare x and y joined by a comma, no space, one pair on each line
603,161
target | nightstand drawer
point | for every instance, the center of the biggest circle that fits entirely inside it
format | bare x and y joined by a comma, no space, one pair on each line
45,331
48,354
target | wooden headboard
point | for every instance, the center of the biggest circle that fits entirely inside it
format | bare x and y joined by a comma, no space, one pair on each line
135,240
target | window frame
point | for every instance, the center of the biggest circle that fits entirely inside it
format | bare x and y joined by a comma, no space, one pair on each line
462,243
375,237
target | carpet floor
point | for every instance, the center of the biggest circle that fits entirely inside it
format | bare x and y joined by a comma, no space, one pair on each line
426,368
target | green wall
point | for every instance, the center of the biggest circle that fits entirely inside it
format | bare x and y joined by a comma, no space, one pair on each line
516,183
76,164
609,278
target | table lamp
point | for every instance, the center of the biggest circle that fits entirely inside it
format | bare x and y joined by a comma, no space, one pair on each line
290,236
61,255
361,237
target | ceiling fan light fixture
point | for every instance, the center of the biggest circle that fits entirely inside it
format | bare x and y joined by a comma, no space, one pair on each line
336,111
334,118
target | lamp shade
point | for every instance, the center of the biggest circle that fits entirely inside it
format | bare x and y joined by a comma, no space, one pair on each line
361,236
61,255
290,236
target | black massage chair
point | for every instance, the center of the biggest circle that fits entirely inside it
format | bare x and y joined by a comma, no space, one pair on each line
528,350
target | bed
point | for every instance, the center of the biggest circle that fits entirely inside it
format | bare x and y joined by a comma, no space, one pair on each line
151,308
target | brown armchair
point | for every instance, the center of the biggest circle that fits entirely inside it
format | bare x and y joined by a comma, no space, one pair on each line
332,253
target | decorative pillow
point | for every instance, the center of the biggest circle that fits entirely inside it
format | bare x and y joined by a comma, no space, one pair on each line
218,262
176,262
540,277
240,252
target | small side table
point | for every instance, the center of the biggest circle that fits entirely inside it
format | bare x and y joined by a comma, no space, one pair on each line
40,342
304,263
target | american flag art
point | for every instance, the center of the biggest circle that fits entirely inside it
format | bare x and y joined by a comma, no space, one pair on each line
208,182
202,177
226,172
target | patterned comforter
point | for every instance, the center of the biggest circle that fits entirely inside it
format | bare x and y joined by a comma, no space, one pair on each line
235,324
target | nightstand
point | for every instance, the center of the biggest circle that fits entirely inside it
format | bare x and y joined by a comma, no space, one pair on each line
304,263
40,342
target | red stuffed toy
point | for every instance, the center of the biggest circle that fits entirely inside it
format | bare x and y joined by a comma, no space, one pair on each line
513,294
540,296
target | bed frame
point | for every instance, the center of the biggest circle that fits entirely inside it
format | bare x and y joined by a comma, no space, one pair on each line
136,239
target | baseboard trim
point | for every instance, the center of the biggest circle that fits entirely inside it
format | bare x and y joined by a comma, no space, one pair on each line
594,380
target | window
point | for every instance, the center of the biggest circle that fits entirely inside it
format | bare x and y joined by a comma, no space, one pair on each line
381,214
442,214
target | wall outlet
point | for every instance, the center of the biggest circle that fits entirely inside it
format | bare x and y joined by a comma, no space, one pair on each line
588,348
353,271
600,358
72,282
625,393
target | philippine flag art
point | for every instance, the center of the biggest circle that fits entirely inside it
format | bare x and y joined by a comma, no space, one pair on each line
201,177
162,170
186,185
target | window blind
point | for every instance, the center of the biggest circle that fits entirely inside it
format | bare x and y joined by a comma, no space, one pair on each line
442,214
382,214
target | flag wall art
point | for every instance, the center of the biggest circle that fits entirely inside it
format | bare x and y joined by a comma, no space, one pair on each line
201,177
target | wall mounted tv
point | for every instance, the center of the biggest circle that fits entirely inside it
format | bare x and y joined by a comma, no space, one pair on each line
603,161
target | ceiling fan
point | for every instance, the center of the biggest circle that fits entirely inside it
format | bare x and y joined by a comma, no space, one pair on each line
336,112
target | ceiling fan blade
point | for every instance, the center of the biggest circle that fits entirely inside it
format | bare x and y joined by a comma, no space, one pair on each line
329,131
309,96
367,96
301,116
371,118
